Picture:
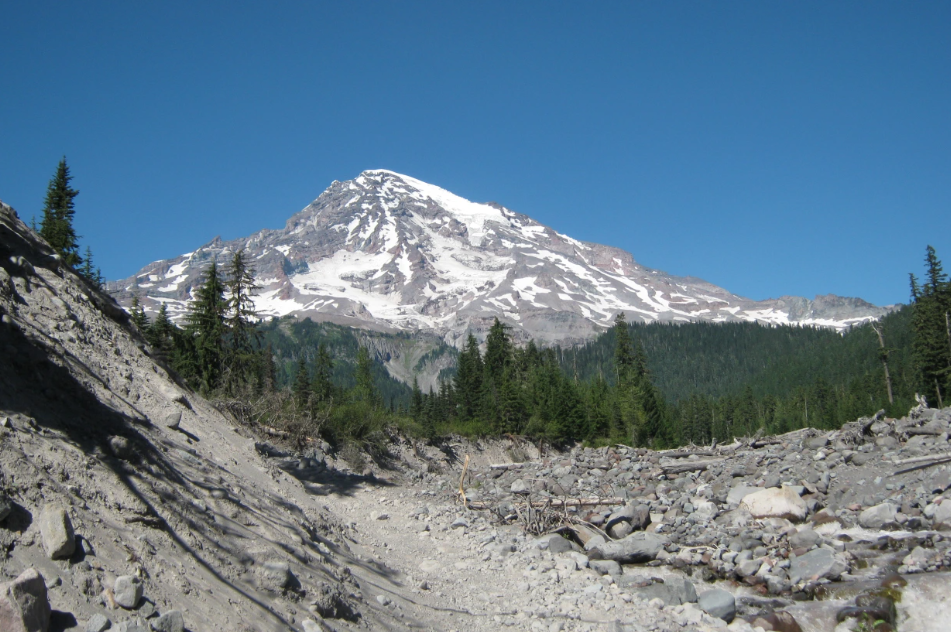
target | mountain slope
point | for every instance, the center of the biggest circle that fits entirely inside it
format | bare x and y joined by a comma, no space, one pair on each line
388,251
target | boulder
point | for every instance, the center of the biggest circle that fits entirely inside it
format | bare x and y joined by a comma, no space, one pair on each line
276,576
120,447
739,492
171,621
171,419
816,564
127,591
804,539
879,516
97,623
24,606
704,511
776,502
605,567
6,506
777,621
673,592
942,514
59,540
520,487
638,548
718,603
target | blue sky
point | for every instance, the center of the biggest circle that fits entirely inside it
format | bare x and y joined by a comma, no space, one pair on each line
771,148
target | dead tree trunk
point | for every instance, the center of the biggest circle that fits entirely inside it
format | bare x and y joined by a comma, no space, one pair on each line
883,354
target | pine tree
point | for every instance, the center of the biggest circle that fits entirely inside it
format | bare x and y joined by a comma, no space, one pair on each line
364,390
469,379
243,335
160,332
498,350
301,387
137,314
416,403
322,386
931,323
206,325
56,226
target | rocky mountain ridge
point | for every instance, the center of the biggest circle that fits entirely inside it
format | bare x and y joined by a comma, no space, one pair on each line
388,251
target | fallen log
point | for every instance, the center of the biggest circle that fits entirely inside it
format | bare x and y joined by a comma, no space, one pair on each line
689,466
924,465
923,459
274,432
682,454
555,503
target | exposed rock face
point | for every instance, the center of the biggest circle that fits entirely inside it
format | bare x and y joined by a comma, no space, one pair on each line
636,548
387,250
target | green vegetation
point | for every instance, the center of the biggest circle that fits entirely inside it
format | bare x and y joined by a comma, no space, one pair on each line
654,385
56,226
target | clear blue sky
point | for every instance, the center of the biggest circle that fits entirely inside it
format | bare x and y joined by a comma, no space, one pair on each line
770,148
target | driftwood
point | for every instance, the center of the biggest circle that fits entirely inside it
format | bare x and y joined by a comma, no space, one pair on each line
922,459
922,462
689,466
681,454
274,432
555,503
506,466
585,532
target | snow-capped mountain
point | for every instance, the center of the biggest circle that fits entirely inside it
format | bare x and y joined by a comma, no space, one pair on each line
388,251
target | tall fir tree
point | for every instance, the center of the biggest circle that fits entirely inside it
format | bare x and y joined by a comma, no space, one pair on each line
322,385
59,209
241,315
931,324
207,328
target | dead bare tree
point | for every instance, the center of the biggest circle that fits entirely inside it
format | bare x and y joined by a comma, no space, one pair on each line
883,355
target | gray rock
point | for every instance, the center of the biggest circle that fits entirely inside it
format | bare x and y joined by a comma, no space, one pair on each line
6,506
128,591
98,623
520,487
605,567
171,419
878,516
942,513
310,625
673,591
459,523
134,625
739,492
718,603
24,606
620,529
120,447
804,539
637,548
59,540
594,542
748,567
171,621
276,576
817,564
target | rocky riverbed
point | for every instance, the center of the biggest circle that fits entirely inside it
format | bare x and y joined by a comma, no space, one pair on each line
812,531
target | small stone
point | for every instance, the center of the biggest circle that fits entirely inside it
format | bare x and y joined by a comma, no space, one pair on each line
816,564
24,606
383,600
310,625
804,539
459,523
127,591
776,502
171,621
59,540
98,623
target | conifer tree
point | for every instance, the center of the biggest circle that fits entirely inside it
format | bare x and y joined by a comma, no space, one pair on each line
301,387
416,404
56,226
931,323
322,385
137,314
243,336
364,389
469,379
206,325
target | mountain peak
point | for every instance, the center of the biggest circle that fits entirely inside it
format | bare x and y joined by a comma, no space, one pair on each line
387,249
